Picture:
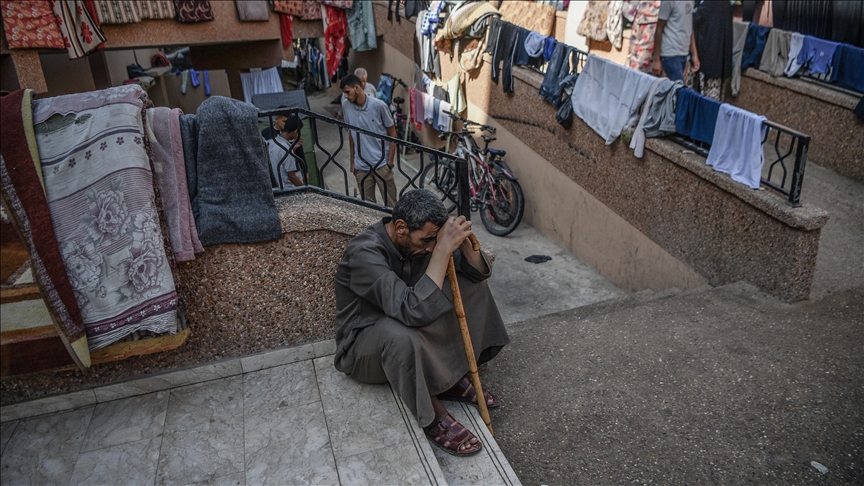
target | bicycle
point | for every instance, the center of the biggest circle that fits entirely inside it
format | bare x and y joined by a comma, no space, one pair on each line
495,192
400,119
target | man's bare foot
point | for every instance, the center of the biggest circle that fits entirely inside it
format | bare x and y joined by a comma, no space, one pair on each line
463,391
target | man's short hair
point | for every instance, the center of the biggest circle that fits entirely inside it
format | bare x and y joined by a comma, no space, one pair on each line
350,81
292,123
418,207
361,73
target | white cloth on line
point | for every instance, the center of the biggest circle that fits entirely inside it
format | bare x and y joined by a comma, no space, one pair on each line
443,121
737,146
795,46
259,82
429,108
607,95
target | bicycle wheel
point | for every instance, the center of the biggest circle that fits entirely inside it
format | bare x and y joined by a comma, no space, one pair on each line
503,213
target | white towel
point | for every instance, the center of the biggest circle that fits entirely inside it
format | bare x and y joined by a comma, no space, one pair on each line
737,146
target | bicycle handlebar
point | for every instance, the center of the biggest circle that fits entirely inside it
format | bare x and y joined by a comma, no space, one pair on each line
468,122
396,80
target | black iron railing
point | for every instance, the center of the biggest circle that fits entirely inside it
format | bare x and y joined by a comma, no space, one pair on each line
337,159
785,152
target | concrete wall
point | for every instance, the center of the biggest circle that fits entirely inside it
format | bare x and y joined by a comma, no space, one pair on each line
663,221
823,113
64,75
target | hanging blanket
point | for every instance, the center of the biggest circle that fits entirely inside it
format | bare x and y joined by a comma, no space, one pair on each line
361,27
99,186
335,32
156,9
117,11
161,124
80,32
194,11
460,20
593,24
252,10
30,24
531,16
228,174
24,195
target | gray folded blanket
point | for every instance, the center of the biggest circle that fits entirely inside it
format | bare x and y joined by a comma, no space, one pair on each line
228,175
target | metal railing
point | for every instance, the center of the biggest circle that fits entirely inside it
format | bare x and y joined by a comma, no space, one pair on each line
789,146
337,159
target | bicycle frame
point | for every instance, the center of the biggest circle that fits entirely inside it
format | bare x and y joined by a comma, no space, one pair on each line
467,148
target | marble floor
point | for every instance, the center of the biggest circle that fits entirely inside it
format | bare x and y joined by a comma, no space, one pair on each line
283,417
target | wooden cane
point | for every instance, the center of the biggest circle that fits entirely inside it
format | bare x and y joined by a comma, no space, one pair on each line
466,337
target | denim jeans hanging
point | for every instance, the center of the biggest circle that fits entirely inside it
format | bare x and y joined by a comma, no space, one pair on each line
557,69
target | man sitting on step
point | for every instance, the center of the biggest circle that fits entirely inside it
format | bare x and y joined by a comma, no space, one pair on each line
395,320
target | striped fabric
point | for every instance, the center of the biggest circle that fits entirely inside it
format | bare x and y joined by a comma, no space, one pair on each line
117,11
100,190
156,9
80,32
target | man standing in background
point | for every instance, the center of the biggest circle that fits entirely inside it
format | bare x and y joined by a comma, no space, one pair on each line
673,40
372,114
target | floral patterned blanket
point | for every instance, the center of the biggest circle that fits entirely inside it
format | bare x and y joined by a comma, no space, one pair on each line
100,191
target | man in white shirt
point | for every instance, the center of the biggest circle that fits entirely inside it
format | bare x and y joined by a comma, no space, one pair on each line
368,153
283,163
673,40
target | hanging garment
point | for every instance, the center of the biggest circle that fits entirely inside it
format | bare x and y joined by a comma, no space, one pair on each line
158,129
776,53
460,21
696,115
530,15
433,16
848,67
385,89
288,7
492,35
457,94
286,28
757,36
311,10
557,69
615,23
739,36
593,25
429,109
736,148
640,53
520,55
158,9
100,189
413,7
412,104
23,193
505,43
335,32
361,27
30,25
658,114
795,46
194,11
79,31
259,82
816,54
189,232
343,4
549,48
228,174
607,95
252,10
443,120
534,44
429,60
712,30
205,75
117,11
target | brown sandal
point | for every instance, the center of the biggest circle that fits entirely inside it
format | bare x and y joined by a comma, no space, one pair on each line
450,436
463,392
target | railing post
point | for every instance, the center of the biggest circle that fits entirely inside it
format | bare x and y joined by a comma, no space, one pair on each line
464,204
798,172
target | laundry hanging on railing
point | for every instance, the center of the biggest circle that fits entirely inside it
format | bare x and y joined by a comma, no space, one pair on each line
658,114
696,115
100,189
23,193
736,148
608,95
228,174
81,33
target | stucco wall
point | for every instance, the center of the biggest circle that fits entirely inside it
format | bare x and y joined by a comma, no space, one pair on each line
663,221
